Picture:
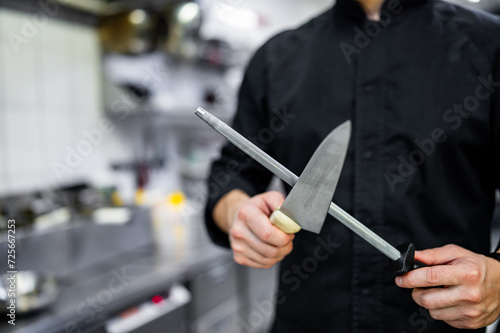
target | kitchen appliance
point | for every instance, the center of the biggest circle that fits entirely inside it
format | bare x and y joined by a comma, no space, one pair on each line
31,291
164,312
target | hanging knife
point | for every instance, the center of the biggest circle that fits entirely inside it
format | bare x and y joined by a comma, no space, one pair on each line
402,258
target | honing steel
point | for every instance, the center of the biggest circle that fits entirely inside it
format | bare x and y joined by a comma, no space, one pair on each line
402,258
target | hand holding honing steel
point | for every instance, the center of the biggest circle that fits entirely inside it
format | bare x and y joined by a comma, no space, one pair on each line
309,200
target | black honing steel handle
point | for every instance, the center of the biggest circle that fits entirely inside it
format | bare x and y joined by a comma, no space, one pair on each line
406,262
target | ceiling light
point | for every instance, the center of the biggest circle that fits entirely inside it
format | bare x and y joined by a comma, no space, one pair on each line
137,16
188,12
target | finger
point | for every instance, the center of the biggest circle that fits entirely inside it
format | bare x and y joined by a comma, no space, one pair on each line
245,255
437,298
269,201
440,255
464,323
459,314
260,225
444,275
242,251
266,250
446,314
246,261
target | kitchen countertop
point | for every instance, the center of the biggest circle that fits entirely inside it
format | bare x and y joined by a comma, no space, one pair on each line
91,294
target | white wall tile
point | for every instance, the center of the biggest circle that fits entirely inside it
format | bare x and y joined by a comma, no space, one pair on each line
3,157
57,109
51,90
2,13
57,132
60,142
23,181
56,32
2,83
18,59
3,185
54,47
90,131
2,69
56,83
85,66
22,134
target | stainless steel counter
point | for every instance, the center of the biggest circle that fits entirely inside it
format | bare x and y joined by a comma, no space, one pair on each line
109,269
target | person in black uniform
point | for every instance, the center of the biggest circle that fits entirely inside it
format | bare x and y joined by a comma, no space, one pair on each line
420,80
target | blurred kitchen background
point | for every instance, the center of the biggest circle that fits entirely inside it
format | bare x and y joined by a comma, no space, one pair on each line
103,163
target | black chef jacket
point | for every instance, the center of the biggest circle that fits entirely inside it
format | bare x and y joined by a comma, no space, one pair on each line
422,88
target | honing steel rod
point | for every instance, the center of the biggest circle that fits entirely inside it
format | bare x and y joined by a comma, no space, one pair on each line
290,178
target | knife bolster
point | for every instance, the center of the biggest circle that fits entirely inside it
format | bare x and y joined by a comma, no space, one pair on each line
283,222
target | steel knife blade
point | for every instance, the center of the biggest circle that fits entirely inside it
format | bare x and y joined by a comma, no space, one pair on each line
308,202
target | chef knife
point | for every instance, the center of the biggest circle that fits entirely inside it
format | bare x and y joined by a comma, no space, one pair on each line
402,258
306,206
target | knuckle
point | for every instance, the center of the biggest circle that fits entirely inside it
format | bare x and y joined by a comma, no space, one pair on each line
239,259
268,263
472,275
474,296
237,248
473,313
431,276
237,233
450,247
272,253
472,326
432,254
265,234
288,248
426,302
415,294
242,214
434,314
275,195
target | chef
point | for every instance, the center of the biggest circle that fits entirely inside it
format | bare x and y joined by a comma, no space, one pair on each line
420,81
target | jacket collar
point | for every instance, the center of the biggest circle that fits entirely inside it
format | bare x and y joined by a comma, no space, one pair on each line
354,10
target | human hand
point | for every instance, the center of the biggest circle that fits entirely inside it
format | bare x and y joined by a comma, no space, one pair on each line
470,293
254,240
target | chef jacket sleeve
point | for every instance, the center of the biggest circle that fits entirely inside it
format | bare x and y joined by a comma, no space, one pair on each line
234,169
496,120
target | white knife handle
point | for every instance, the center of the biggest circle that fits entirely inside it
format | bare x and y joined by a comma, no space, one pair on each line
283,222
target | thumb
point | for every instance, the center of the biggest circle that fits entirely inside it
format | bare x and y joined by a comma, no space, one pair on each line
440,255
273,199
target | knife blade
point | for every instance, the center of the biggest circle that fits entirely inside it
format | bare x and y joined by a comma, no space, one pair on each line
308,201
290,178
